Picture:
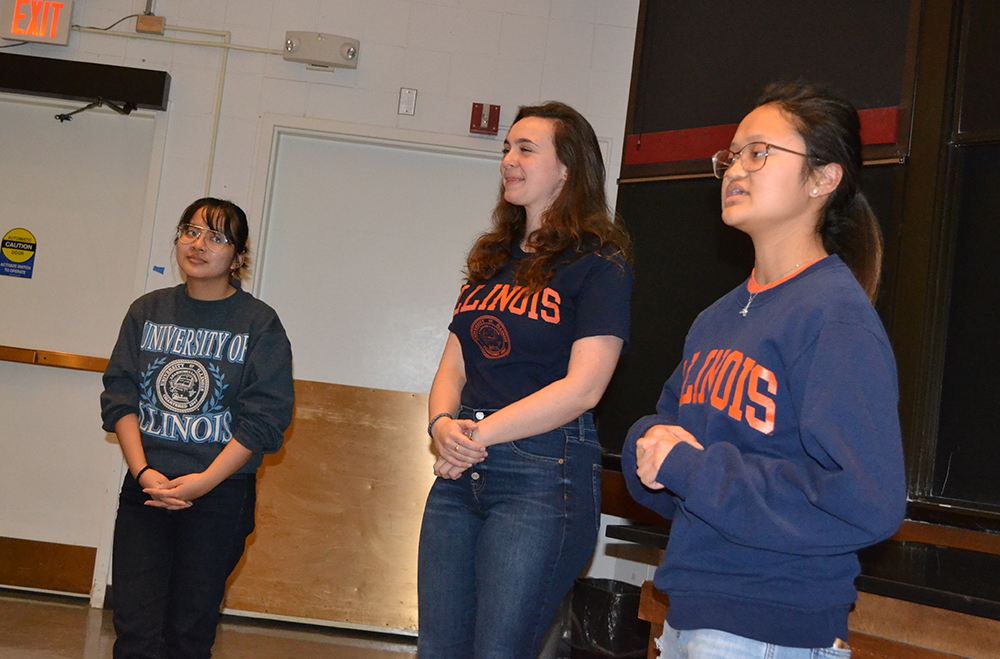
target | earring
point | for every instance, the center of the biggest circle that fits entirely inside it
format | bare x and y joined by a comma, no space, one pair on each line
815,191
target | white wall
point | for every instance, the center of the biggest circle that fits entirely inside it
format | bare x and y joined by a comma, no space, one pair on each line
454,52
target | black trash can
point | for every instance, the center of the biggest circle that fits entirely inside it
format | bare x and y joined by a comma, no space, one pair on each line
605,620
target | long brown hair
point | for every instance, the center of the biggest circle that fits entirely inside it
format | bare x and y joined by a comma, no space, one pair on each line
578,221
830,127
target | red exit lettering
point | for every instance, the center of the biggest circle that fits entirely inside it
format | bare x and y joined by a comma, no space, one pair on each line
40,16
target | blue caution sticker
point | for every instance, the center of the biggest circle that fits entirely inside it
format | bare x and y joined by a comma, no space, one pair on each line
17,254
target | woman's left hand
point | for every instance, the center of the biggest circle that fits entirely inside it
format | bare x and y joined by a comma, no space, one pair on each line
180,492
652,449
445,469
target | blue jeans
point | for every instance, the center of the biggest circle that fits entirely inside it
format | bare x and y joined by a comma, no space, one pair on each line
170,568
715,644
502,545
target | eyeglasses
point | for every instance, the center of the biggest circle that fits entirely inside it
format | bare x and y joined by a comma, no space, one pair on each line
189,234
752,156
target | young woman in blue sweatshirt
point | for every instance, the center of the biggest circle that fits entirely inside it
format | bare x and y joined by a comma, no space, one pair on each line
775,449
198,389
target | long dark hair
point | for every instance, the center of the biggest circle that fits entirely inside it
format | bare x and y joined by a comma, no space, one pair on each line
227,217
578,220
830,127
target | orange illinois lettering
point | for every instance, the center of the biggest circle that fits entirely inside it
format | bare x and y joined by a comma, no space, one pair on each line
698,380
533,313
470,304
504,297
520,304
760,373
687,391
486,300
19,15
709,382
550,306
459,303
703,374
735,410
734,359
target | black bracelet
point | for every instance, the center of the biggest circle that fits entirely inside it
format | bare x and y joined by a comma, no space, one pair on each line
141,472
430,426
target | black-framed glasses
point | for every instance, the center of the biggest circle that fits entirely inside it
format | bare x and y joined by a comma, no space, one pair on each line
189,234
752,156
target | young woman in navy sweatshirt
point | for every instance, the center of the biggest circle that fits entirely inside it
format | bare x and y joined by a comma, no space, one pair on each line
198,389
775,449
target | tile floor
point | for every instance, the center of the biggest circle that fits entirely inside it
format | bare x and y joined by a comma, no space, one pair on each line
36,626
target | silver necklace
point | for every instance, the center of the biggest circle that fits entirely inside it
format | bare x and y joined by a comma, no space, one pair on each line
746,307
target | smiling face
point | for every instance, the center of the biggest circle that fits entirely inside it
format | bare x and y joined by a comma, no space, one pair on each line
778,195
201,264
532,173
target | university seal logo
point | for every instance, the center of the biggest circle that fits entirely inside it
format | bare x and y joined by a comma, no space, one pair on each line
491,337
182,386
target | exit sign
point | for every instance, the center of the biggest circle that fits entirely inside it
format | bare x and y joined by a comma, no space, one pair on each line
41,21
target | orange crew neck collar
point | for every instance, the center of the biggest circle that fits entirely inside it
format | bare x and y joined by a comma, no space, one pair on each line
753,287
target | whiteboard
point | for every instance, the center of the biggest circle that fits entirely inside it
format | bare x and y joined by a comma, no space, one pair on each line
365,242
80,188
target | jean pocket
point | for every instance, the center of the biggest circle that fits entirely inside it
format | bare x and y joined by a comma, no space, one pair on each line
548,447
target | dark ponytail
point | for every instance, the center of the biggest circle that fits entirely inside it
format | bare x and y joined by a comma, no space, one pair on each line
830,127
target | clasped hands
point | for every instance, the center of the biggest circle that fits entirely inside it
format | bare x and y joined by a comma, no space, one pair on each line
456,448
652,449
176,494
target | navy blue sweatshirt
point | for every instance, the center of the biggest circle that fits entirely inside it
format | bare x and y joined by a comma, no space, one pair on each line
796,407
199,373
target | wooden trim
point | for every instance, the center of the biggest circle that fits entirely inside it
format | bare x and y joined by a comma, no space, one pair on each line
46,565
948,536
51,358
615,500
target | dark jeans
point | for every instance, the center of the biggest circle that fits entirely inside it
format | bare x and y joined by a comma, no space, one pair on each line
170,569
501,546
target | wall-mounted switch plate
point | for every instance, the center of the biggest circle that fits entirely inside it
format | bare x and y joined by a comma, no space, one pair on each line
407,101
485,119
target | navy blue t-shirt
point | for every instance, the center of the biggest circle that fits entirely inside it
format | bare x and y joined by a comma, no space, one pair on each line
515,343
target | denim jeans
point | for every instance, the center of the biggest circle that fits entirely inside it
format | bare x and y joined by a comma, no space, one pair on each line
502,545
170,569
715,644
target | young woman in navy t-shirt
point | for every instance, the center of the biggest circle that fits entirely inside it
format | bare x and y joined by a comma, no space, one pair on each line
776,445
536,333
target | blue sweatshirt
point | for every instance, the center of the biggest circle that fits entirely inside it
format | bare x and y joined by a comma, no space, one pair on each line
796,407
199,373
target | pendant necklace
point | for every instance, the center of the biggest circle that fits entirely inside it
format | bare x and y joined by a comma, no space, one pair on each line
746,307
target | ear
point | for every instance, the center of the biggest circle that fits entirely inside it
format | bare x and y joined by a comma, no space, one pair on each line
237,262
824,180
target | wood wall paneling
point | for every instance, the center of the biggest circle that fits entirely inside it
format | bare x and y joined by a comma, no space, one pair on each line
46,565
339,510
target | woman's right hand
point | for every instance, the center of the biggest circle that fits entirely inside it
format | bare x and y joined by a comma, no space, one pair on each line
452,442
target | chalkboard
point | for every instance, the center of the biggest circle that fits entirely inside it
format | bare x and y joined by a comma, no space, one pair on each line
968,443
702,64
